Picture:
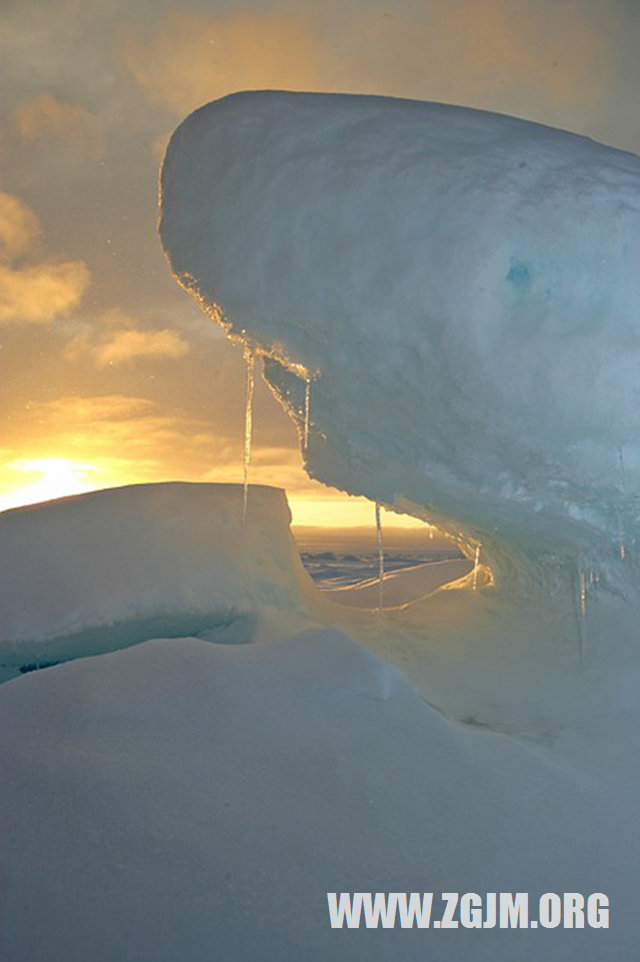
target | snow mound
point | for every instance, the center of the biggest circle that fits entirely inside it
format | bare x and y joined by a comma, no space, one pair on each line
459,286
108,569
186,801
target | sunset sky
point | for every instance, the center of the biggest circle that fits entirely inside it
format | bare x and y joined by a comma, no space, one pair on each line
109,373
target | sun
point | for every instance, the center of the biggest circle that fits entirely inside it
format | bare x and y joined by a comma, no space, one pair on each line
52,478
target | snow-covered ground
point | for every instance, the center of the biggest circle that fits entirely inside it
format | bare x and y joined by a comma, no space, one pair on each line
192,798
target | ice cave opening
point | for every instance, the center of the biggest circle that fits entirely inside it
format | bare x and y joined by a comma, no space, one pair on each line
368,568
356,568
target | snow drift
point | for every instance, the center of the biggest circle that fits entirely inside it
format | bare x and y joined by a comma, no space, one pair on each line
182,801
459,286
107,569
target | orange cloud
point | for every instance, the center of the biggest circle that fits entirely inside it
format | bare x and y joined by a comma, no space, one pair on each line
39,294
33,293
120,340
76,410
76,443
132,429
131,345
19,227
45,118
190,58
129,432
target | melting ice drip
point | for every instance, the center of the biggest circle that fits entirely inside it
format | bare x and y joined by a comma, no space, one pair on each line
476,566
380,555
586,586
307,413
248,424
623,549
582,624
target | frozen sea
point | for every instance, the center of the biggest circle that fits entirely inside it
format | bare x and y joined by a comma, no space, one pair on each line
340,558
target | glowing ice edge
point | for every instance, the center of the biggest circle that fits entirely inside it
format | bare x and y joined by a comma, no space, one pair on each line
461,288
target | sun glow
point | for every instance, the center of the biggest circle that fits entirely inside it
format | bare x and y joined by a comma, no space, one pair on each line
346,512
31,480
52,478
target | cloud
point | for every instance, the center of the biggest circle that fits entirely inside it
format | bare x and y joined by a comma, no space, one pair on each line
189,58
270,464
128,428
120,340
138,438
84,442
39,294
19,227
156,442
131,345
110,423
75,410
33,293
44,118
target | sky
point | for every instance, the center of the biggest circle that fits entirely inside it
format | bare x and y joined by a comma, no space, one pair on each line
109,373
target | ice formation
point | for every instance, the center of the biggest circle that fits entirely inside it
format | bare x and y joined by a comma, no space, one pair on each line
307,414
250,361
380,550
476,566
463,288
108,569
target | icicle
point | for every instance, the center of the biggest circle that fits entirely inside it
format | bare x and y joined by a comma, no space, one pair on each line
248,420
307,412
623,485
623,547
476,566
380,555
582,625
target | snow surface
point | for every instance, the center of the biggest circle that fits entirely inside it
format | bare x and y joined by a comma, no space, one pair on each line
187,799
102,570
400,587
460,287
